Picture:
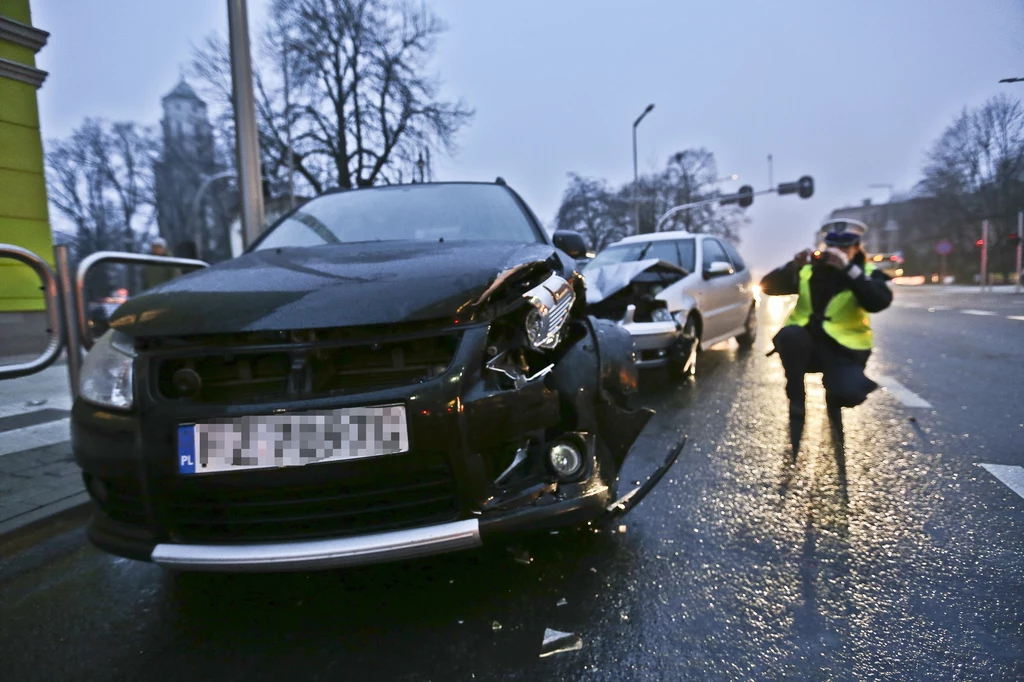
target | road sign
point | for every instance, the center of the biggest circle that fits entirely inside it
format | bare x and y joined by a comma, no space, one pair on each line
944,247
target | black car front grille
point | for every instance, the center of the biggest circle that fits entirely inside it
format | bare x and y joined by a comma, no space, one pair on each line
326,509
226,375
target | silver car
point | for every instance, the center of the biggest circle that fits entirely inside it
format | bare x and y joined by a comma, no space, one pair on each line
674,292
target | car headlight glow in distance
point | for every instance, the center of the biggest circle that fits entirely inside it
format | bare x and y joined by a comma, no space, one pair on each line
551,300
106,377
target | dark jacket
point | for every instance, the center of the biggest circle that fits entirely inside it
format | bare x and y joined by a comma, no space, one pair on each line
871,291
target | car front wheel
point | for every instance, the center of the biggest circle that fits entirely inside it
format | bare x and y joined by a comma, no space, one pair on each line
685,361
749,335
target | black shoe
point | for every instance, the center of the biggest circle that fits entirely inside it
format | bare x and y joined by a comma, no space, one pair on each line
796,427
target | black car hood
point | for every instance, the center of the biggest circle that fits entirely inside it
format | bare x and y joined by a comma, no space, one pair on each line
345,285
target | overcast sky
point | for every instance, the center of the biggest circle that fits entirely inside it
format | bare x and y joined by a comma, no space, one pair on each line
852,93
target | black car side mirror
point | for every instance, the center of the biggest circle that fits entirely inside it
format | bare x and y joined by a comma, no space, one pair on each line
570,242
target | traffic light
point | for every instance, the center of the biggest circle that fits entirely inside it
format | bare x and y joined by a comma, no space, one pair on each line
806,190
804,187
744,197
746,193
980,243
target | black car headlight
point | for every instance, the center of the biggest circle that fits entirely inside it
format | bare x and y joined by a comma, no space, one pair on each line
106,377
552,300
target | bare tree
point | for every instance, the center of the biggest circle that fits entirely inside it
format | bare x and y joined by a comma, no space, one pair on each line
975,170
101,180
361,105
689,177
590,208
603,216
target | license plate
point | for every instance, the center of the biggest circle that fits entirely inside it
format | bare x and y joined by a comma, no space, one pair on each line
295,439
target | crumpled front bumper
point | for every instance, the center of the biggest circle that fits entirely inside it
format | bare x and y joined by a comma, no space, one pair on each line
399,545
653,342
147,511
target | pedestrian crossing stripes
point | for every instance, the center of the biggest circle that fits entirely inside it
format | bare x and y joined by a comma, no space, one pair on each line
34,436
901,392
1011,476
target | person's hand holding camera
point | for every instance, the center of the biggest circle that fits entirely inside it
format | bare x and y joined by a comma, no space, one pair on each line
834,258
803,258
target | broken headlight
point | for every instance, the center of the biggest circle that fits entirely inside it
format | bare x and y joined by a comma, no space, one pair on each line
661,315
106,377
552,300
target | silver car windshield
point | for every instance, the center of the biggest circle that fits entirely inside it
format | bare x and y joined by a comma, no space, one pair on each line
679,252
427,212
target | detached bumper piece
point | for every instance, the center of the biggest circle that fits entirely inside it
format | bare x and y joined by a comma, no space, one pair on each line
318,554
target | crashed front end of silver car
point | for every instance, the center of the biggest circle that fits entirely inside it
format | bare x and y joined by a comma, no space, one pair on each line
628,294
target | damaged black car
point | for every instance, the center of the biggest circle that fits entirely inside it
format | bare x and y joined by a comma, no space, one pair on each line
386,373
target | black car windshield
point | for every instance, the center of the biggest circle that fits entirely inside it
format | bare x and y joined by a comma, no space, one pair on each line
676,251
429,212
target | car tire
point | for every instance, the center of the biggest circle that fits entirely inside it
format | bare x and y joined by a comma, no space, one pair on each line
685,363
749,336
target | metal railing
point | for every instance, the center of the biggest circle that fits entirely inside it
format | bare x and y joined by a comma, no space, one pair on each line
64,296
53,307
123,258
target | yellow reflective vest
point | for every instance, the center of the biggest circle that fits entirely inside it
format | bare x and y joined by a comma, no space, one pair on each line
845,321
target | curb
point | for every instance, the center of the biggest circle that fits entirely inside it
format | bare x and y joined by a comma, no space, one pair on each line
61,515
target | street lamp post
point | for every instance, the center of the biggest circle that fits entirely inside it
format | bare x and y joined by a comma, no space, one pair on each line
247,146
734,176
636,177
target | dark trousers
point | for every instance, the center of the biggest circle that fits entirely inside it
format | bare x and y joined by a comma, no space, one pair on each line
842,369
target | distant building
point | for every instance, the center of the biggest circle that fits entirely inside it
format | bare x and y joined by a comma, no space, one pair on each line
188,161
884,221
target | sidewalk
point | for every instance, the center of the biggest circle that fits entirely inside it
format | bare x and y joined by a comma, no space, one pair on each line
37,484
38,477
962,288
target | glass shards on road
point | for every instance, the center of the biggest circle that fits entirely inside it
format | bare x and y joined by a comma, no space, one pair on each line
556,642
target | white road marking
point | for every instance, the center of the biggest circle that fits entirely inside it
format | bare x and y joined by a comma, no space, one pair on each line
35,436
986,313
937,308
901,392
1015,317
1011,476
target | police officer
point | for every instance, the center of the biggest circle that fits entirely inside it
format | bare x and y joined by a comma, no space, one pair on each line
829,330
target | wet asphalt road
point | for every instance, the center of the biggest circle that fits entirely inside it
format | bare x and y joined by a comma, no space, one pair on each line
741,565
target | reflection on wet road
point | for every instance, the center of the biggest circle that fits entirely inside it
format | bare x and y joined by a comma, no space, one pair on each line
742,565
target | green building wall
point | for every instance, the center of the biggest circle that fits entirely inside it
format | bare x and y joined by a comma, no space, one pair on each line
23,213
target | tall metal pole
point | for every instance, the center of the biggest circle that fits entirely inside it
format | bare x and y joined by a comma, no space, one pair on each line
636,176
984,254
771,182
246,133
1020,247
69,309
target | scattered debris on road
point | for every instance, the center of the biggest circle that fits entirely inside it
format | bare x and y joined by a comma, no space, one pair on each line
521,555
556,642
